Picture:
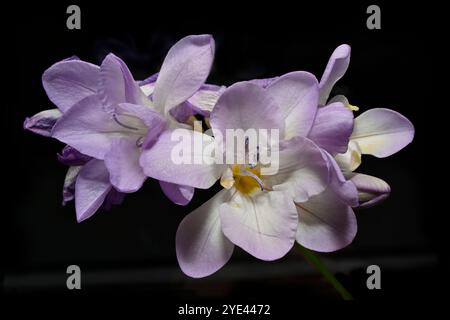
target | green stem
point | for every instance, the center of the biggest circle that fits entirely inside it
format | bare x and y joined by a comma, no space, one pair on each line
315,261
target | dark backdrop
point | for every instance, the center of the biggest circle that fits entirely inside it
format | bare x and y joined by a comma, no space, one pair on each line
131,248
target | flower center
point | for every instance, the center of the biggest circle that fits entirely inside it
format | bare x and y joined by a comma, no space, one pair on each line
133,123
247,179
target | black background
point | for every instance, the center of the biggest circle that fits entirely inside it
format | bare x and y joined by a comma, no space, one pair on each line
130,250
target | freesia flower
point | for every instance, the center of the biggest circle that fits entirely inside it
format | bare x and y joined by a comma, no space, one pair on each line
119,131
84,173
92,175
254,211
327,221
115,124
380,132
108,116
87,173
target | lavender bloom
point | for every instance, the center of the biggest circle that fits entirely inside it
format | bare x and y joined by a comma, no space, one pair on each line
42,124
92,176
119,131
55,79
257,212
326,221
380,132
119,121
107,115
85,170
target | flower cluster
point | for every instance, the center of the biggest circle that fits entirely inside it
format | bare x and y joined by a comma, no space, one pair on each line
119,132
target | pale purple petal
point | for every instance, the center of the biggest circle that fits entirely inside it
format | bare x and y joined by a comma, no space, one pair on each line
184,71
335,69
175,158
325,224
72,157
343,188
91,188
89,129
332,128
147,121
178,194
371,190
117,84
69,184
183,111
264,224
69,81
303,169
201,103
122,161
43,122
148,117
204,100
246,106
201,247
382,132
153,133
297,96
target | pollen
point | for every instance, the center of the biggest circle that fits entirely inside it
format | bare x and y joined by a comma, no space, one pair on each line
246,183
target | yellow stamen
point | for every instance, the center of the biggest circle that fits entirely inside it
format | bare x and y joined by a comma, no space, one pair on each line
352,107
195,123
245,183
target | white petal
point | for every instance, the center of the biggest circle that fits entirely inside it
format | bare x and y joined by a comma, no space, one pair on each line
351,159
264,224
325,223
201,247
183,72
382,132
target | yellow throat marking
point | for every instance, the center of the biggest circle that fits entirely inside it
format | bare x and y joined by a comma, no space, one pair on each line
244,183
